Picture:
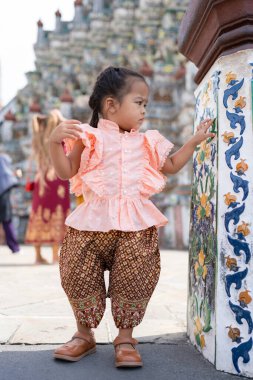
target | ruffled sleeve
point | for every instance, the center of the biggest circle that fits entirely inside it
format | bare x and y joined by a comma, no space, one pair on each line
91,155
158,148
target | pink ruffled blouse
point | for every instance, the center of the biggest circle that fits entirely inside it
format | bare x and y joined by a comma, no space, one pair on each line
117,175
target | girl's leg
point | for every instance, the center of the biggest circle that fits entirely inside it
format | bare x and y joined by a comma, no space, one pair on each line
82,277
10,236
55,249
133,278
38,258
82,330
126,333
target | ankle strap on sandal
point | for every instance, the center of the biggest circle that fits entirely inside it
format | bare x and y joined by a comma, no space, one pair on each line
88,339
124,340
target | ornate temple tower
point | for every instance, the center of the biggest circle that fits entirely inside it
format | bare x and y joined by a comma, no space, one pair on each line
137,34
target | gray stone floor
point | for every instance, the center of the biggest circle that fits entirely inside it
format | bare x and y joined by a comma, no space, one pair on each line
35,317
161,362
35,310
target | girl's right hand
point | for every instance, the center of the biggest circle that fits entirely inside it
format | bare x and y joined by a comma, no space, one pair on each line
66,129
202,132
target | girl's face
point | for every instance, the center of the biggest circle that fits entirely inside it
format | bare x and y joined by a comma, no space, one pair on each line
129,114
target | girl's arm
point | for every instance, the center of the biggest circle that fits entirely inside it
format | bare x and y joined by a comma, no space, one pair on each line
66,166
178,160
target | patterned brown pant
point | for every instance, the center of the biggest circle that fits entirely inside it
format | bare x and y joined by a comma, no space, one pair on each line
133,259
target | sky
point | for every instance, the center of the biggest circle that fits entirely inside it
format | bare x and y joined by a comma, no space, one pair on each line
18,33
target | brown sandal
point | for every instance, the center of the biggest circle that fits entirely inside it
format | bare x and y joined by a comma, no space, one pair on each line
125,357
77,351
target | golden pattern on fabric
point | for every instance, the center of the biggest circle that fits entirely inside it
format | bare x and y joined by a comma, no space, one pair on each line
133,259
128,314
46,214
61,191
45,226
89,311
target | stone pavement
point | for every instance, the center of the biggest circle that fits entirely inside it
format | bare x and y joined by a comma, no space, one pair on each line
34,309
179,361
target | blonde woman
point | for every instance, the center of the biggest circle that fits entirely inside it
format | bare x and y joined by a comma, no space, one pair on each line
50,201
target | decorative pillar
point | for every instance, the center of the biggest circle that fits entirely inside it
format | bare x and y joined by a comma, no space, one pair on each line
218,37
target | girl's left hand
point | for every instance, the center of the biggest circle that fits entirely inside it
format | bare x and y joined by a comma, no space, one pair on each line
201,132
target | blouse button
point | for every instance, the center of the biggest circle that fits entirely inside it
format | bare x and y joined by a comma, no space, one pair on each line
124,191
125,150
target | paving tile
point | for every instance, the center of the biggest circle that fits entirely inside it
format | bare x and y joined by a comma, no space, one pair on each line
8,327
51,331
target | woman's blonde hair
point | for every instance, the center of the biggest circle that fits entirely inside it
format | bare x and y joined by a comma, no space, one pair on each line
42,126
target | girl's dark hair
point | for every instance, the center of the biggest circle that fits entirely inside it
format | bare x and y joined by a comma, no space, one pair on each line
113,81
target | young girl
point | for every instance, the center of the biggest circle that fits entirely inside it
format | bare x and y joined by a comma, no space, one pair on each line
117,168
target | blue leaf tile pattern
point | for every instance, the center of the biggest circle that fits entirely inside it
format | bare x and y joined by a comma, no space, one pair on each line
241,351
232,91
233,151
235,279
242,314
234,216
240,183
237,237
236,119
239,246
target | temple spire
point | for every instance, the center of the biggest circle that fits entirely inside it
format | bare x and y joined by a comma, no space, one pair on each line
41,37
98,6
58,21
79,12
